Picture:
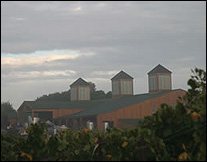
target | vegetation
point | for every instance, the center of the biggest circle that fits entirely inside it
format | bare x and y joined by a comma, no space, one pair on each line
98,94
7,112
171,134
65,96
183,128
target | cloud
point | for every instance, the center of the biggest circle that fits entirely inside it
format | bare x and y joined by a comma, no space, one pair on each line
19,19
40,57
54,43
186,59
38,74
56,26
77,9
102,4
102,73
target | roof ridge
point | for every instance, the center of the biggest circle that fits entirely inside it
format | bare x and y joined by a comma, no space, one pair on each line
79,81
122,75
159,69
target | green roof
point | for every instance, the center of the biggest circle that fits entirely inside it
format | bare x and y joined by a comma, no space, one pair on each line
79,82
118,103
110,105
121,75
60,104
159,69
133,122
12,115
95,107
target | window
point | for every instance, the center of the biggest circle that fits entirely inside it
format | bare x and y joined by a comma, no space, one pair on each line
107,124
115,87
126,87
90,125
84,93
154,109
152,83
73,94
164,81
174,105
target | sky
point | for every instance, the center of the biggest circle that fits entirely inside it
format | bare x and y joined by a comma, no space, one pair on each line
46,46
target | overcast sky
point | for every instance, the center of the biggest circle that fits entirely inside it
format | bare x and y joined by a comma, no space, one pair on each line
46,46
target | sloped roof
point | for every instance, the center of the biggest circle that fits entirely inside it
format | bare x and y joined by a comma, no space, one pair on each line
121,75
79,82
132,122
118,103
12,115
159,69
60,104
95,107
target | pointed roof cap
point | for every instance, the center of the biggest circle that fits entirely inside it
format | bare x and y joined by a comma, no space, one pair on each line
159,69
122,75
79,82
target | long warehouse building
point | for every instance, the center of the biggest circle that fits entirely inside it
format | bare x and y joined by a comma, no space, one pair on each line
123,110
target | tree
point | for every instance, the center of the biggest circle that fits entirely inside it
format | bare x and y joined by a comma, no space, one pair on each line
108,95
7,112
183,129
92,87
65,96
97,95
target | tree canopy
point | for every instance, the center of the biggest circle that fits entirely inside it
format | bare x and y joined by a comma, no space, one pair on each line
65,96
183,128
7,112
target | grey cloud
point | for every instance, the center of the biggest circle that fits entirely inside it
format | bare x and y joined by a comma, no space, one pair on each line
47,28
131,36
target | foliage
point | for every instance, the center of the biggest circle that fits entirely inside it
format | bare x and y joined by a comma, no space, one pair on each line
65,96
171,134
98,94
75,146
92,87
183,129
7,148
7,112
